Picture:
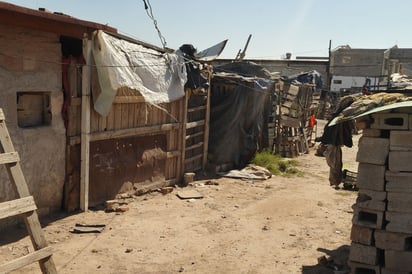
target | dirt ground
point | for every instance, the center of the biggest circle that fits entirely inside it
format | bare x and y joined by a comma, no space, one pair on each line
280,225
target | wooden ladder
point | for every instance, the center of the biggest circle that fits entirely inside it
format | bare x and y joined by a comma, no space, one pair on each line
24,206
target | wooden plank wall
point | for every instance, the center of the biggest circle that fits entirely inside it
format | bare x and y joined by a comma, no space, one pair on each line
129,116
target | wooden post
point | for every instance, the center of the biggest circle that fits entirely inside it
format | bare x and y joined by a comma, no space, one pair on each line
85,135
206,132
185,104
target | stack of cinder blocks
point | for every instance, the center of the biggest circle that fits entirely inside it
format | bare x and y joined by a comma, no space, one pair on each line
381,234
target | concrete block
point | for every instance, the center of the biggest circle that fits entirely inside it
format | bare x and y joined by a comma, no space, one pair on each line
400,140
400,202
373,194
358,268
372,132
390,271
365,254
368,218
392,121
366,202
400,161
398,222
361,235
371,177
398,260
398,181
393,240
373,150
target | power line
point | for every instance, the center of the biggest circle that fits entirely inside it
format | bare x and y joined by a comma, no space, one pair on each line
149,11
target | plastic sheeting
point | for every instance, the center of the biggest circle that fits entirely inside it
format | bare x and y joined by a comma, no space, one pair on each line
236,122
159,77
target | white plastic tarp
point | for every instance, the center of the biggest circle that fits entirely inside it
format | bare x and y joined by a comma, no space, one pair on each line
159,77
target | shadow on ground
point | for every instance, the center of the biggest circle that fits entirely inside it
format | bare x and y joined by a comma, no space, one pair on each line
330,263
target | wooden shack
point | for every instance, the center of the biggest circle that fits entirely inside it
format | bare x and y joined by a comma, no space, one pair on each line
73,156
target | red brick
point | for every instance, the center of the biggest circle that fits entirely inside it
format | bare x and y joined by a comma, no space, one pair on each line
361,234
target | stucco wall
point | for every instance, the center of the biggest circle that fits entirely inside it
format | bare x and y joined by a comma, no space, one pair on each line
30,61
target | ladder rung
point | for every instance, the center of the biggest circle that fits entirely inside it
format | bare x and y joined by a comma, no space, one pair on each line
27,259
9,157
16,207
194,146
195,124
200,133
196,109
193,158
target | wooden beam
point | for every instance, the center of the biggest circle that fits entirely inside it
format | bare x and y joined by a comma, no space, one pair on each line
1,115
30,258
184,130
32,221
85,135
207,126
173,154
128,132
131,99
17,207
9,157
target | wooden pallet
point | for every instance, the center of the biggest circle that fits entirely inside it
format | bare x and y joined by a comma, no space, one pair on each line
24,206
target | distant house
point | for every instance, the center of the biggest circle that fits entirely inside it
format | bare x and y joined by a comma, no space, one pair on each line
82,135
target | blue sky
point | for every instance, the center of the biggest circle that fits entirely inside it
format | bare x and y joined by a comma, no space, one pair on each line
302,27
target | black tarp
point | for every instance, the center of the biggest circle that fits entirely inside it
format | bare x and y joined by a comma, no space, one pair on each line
239,110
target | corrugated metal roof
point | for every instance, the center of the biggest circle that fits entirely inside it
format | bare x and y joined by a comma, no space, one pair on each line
338,120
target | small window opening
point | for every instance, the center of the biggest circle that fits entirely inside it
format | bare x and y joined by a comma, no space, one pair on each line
33,109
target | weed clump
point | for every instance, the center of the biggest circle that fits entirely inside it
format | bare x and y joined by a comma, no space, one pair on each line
276,164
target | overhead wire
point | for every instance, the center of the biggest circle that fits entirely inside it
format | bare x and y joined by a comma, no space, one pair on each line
149,11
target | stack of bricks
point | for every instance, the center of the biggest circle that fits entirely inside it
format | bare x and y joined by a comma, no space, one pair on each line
381,234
